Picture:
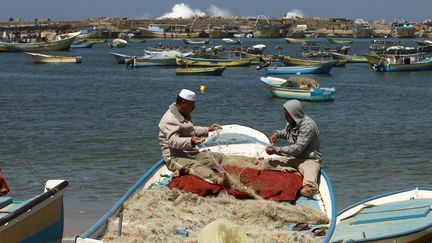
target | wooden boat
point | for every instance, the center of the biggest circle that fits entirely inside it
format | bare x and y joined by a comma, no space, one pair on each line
134,40
402,216
294,40
373,59
196,42
339,41
402,29
423,65
151,60
97,41
117,43
317,69
310,62
43,58
204,62
298,87
37,219
231,140
350,58
231,41
208,71
63,43
424,42
120,58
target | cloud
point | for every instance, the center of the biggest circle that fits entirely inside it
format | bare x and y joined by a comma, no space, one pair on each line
181,10
294,13
215,11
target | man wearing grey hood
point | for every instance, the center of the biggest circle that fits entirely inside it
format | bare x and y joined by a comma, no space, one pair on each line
303,150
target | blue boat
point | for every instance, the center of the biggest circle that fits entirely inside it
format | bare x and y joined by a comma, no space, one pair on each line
305,89
231,140
424,65
37,219
317,69
402,216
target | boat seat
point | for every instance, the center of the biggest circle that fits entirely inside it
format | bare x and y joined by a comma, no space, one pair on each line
394,211
4,201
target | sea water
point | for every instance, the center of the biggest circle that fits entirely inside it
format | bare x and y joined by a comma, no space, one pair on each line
95,124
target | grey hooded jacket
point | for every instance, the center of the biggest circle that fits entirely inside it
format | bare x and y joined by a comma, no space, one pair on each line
303,137
175,132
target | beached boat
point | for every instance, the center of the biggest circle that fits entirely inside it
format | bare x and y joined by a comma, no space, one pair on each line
350,58
205,62
317,69
339,41
232,140
402,216
231,41
151,60
120,58
62,43
117,43
36,219
195,42
298,87
295,40
44,58
206,71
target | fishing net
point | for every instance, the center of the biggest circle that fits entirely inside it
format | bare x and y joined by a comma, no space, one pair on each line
301,81
173,216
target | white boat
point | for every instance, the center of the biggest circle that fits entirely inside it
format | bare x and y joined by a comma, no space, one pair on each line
62,42
44,58
120,58
402,216
231,41
231,140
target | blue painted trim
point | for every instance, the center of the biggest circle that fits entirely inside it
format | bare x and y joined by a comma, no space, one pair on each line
249,139
333,204
385,195
101,222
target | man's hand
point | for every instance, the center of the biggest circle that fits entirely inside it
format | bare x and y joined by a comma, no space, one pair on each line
196,140
214,127
273,138
270,150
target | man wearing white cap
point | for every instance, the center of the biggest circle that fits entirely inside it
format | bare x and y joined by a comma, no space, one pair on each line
178,137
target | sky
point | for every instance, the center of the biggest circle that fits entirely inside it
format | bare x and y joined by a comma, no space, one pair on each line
413,10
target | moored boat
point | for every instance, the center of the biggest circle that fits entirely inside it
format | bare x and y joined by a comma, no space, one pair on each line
195,42
339,41
316,69
401,62
231,41
37,219
207,71
44,58
151,60
350,58
401,216
120,58
298,87
295,40
169,31
402,29
84,44
232,140
222,62
309,62
117,43
62,43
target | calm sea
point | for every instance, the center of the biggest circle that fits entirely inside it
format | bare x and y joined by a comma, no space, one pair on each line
95,123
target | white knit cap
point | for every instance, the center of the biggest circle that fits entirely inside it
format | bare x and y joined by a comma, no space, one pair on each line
187,94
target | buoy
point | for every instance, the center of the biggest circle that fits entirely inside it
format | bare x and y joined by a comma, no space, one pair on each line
202,88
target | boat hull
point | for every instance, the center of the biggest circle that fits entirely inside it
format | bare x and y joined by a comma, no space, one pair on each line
168,35
203,62
40,219
402,216
216,71
403,67
58,45
339,41
39,58
137,62
319,69
350,58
